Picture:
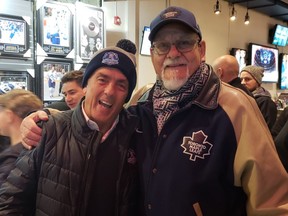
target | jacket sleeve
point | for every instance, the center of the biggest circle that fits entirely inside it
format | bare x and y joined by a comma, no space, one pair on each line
257,167
18,193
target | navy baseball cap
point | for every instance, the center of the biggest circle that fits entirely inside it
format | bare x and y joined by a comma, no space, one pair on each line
174,14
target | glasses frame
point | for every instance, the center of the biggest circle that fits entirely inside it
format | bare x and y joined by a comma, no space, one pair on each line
155,49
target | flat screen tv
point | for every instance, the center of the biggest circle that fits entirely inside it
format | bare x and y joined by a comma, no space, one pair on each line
283,71
13,35
145,43
266,57
279,35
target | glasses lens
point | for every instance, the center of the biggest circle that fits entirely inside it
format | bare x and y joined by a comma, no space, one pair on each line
162,48
185,45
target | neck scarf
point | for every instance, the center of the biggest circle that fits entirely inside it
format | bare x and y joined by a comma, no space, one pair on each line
166,102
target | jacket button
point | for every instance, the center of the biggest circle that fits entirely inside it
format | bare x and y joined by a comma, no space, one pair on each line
164,136
149,206
154,170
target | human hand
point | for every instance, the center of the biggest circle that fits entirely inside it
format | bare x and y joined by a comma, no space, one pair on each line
30,131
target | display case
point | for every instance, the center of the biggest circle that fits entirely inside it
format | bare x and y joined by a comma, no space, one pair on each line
10,80
51,72
90,31
55,28
14,36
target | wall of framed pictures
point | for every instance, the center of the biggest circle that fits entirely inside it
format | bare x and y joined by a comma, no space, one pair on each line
35,55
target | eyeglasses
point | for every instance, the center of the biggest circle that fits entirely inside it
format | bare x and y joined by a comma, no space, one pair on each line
183,46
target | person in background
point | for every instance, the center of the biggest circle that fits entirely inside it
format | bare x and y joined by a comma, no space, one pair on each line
127,45
202,146
281,143
72,91
4,142
251,76
83,165
280,122
14,107
227,69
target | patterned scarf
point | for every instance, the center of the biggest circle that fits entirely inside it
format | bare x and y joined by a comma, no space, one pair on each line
166,102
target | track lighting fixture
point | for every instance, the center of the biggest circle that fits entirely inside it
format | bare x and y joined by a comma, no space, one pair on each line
233,14
217,8
247,18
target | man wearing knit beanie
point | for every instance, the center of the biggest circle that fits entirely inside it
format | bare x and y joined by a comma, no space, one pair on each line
84,154
251,77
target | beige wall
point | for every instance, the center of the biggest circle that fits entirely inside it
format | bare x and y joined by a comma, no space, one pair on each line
218,31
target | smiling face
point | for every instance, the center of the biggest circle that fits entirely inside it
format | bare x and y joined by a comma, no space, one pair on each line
106,92
175,67
73,93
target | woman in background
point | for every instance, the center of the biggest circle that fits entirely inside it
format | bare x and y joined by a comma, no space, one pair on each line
14,106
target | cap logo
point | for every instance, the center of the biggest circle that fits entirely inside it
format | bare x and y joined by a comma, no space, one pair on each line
171,14
110,58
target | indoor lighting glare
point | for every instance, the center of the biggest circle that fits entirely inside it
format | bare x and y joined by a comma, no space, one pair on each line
217,8
233,14
247,18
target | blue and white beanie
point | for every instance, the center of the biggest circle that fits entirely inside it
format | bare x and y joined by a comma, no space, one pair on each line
113,57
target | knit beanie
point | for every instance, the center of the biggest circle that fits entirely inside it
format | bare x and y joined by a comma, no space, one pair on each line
256,72
113,57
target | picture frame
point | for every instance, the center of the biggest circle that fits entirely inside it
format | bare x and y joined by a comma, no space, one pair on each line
51,72
240,55
14,36
90,31
283,71
55,28
145,42
10,80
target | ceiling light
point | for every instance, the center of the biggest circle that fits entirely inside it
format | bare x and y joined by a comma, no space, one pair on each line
217,8
233,14
247,18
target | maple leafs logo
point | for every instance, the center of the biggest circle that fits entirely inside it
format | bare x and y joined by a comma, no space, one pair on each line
196,146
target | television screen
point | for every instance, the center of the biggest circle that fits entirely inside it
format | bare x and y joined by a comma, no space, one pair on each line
145,44
283,71
279,35
266,57
240,55
13,35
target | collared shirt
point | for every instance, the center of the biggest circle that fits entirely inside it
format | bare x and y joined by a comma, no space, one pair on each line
94,126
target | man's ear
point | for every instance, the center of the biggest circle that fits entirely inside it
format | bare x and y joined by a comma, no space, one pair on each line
202,46
10,116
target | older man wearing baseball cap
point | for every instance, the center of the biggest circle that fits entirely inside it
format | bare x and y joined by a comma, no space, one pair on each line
210,151
83,164
251,77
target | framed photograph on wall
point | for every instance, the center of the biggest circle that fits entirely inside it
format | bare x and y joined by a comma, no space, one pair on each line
14,36
90,31
10,80
55,28
240,55
51,73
